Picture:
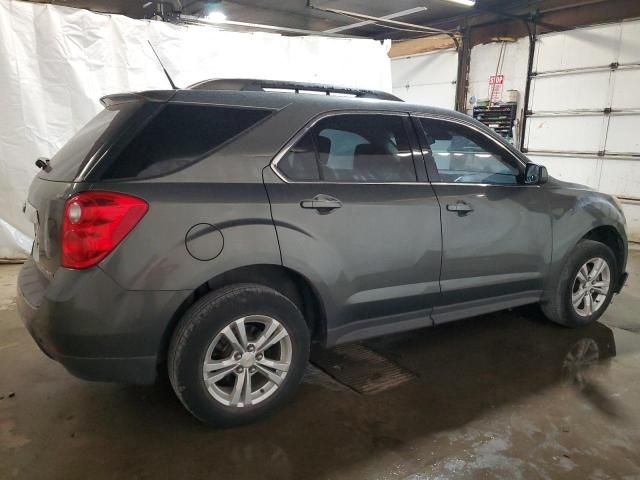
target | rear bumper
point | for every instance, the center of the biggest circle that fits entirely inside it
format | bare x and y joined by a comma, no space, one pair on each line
93,327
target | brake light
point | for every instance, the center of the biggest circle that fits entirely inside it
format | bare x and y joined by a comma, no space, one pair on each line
94,222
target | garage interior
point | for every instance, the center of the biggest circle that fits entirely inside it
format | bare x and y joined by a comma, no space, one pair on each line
504,395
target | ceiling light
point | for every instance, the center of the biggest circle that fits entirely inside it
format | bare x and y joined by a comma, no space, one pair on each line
466,3
216,16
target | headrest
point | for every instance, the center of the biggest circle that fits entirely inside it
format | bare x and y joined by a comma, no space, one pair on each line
364,157
324,148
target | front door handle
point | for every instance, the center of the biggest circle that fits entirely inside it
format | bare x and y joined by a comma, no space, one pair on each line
321,202
460,207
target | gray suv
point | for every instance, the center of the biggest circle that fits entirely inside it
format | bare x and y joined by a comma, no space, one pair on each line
218,231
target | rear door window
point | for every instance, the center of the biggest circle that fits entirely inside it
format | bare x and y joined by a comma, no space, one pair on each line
179,135
367,148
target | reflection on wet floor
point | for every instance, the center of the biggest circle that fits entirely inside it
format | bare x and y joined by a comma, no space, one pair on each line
507,393
518,350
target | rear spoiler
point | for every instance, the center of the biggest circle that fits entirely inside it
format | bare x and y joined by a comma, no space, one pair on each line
257,85
150,96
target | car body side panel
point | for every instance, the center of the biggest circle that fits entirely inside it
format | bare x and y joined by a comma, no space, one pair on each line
239,212
575,211
224,190
375,261
502,247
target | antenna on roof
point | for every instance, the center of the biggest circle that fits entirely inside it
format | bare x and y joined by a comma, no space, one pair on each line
173,85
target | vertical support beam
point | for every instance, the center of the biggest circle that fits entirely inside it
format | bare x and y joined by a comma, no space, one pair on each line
464,59
532,29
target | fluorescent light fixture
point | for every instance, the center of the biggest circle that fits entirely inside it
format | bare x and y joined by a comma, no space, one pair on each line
216,16
466,3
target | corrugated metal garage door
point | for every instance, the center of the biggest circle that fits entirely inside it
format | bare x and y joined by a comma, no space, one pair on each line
427,79
584,110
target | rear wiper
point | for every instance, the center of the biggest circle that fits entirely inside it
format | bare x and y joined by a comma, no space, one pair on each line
43,163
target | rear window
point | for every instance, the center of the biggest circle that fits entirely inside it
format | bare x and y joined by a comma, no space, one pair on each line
76,153
179,135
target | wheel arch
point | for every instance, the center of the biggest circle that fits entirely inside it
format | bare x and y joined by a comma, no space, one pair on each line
286,281
609,236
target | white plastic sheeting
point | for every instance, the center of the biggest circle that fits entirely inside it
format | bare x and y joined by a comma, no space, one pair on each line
56,63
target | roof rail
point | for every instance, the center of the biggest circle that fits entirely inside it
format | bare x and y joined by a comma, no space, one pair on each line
257,85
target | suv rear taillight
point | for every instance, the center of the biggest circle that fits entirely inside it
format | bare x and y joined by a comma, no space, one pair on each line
94,222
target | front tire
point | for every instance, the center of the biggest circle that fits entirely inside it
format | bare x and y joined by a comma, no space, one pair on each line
237,354
585,287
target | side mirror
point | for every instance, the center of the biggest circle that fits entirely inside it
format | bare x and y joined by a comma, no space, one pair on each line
535,174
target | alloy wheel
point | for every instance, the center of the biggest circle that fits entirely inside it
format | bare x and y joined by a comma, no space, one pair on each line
247,361
591,286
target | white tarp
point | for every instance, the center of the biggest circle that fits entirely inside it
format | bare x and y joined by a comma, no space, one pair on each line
56,63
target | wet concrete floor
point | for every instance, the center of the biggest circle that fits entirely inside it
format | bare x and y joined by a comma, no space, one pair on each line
507,395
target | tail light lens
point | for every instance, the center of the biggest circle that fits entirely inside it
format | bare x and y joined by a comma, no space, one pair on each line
94,223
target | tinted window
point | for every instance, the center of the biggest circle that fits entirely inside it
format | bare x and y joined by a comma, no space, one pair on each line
353,148
178,135
67,163
300,161
463,155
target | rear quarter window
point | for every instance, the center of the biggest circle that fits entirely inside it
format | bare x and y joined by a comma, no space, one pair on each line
179,134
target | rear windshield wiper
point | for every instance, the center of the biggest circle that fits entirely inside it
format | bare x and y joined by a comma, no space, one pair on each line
43,163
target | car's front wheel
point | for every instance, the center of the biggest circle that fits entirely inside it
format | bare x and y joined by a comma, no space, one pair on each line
586,285
237,354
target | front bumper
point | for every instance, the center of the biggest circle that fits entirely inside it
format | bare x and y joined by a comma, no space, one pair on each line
96,329
621,282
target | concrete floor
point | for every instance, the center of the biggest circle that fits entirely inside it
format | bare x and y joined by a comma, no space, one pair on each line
498,396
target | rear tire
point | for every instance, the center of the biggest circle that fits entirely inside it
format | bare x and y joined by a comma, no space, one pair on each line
585,286
250,336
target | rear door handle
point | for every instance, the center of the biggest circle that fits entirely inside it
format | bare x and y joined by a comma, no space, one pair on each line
460,207
321,202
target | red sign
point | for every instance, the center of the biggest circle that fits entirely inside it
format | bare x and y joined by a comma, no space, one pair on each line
495,88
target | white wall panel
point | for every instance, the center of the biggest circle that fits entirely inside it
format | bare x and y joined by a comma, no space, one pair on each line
576,91
626,92
619,177
580,48
582,170
441,95
629,50
623,136
567,133
632,213
427,79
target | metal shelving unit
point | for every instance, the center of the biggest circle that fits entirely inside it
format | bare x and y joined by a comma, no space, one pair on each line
500,118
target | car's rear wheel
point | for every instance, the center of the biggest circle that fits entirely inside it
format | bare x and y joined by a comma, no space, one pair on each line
585,287
237,354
